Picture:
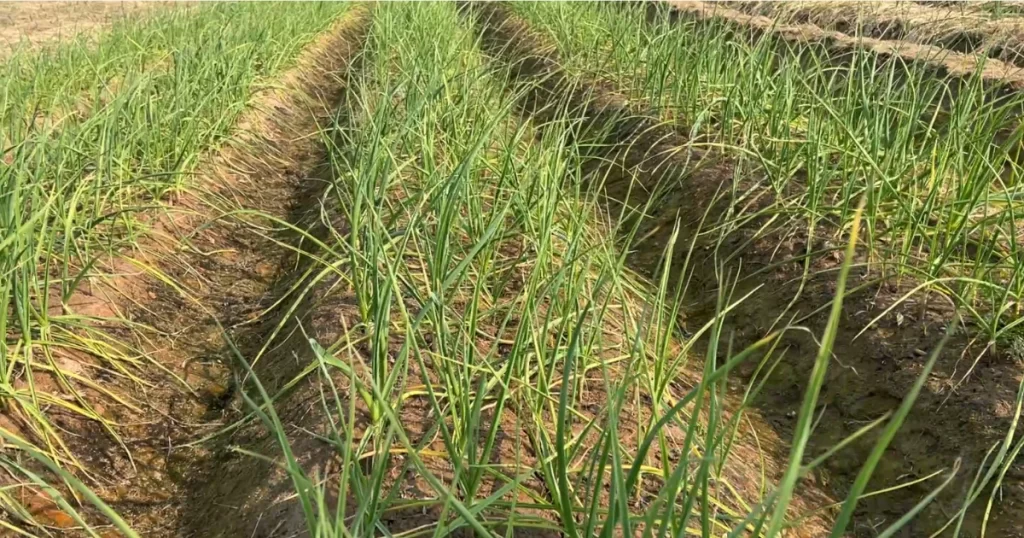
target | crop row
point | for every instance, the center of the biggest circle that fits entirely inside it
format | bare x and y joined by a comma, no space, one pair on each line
520,293
97,138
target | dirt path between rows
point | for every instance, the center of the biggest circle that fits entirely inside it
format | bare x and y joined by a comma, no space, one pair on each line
1001,81
996,74
547,92
870,373
209,266
965,31
207,273
986,8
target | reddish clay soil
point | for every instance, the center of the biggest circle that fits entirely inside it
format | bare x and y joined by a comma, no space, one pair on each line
869,374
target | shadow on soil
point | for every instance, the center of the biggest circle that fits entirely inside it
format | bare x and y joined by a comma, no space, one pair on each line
636,157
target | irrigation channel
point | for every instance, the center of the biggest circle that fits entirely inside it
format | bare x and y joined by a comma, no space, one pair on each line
468,287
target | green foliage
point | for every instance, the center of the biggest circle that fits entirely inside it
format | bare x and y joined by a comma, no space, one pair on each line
93,133
491,292
936,158
501,355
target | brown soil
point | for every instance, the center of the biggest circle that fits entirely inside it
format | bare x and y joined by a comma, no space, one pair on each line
329,314
234,278
1002,81
231,275
223,267
870,373
233,271
955,65
547,90
38,23
990,8
966,31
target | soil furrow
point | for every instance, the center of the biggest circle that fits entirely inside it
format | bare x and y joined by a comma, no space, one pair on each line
325,309
871,372
957,30
993,8
232,270
1001,77
298,307
632,145
1000,82
213,262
